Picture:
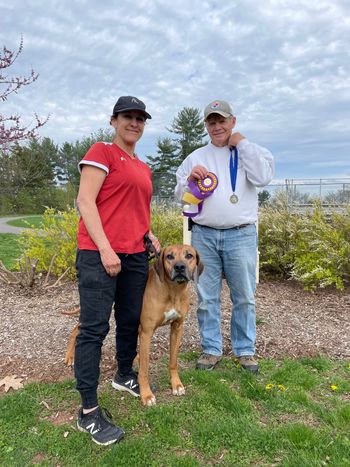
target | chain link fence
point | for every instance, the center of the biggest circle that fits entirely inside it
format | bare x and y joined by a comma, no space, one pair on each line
333,193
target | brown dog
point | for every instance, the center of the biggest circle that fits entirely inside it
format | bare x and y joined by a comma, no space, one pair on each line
165,301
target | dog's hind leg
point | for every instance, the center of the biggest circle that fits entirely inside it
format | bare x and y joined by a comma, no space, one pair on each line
136,363
69,357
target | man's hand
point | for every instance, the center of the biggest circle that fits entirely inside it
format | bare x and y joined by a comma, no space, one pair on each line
235,138
198,173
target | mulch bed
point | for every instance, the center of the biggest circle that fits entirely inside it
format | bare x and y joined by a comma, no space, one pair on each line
291,323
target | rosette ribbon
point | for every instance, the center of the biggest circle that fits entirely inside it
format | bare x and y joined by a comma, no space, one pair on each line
198,191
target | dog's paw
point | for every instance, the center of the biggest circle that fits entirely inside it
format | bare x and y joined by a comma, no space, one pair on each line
152,401
69,361
179,391
148,400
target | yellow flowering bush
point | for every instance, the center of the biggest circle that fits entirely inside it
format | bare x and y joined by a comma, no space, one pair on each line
54,243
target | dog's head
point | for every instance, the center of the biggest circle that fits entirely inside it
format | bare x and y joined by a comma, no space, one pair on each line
179,263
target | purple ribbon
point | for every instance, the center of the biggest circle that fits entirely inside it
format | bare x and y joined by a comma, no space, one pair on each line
193,186
201,192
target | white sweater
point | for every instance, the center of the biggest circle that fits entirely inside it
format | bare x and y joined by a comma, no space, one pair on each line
255,169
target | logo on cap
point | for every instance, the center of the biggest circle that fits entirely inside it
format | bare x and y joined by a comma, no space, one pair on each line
215,105
134,100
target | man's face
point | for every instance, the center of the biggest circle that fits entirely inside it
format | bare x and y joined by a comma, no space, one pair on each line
219,128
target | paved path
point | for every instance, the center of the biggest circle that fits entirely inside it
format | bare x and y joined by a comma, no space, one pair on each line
5,228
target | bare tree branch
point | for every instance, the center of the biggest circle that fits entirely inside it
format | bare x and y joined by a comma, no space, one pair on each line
11,128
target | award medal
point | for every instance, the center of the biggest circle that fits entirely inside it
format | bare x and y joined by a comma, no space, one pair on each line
234,198
233,175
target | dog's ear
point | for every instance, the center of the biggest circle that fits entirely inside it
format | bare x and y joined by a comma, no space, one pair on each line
159,266
200,265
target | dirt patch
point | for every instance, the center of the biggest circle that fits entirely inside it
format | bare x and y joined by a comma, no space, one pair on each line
62,418
291,322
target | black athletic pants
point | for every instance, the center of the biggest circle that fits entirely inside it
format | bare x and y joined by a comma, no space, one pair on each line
98,291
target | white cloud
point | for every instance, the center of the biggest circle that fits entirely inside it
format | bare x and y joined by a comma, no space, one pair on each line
282,64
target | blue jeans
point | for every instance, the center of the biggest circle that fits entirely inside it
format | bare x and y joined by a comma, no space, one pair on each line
232,251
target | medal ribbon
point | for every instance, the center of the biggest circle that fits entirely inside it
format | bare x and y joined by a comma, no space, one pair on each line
233,168
199,190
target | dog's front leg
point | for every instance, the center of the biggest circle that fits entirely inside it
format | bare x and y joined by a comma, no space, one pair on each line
146,395
175,338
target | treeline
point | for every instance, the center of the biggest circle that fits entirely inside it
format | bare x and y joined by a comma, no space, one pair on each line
39,173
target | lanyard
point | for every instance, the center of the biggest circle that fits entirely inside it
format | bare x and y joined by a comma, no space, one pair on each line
233,168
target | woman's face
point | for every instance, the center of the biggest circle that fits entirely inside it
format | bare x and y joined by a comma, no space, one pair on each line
129,126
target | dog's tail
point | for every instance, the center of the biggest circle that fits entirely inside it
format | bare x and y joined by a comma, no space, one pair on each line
71,311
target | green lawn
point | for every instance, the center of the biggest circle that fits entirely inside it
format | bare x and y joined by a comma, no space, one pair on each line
294,413
33,221
9,249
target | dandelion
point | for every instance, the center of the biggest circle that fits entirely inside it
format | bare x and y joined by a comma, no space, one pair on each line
281,387
269,386
334,387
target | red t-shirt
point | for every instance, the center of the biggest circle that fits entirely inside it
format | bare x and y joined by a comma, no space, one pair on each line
123,201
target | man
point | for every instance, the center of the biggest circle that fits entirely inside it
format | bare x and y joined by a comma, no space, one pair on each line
224,232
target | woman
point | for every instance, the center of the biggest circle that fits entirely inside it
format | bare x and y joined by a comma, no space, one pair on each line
114,202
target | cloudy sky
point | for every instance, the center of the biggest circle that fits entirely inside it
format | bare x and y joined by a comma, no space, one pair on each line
283,65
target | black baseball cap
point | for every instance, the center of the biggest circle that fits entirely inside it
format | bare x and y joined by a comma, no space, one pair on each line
125,103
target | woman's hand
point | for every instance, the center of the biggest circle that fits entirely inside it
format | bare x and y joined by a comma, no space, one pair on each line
111,262
155,241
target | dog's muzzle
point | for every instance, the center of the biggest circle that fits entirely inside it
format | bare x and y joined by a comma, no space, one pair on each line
180,273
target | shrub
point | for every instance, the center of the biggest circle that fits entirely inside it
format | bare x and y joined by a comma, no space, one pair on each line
279,230
166,223
310,247
56,237
323,257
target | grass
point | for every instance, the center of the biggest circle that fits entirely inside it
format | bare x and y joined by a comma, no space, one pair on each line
33,221
287,415
9,249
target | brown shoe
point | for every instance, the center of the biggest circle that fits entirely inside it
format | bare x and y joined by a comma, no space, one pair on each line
249,363
207,361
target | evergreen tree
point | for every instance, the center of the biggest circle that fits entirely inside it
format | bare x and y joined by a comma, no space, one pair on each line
263,197
28,175
188,126
163,170
71,154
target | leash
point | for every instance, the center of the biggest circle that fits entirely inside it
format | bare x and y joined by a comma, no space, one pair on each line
151,251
